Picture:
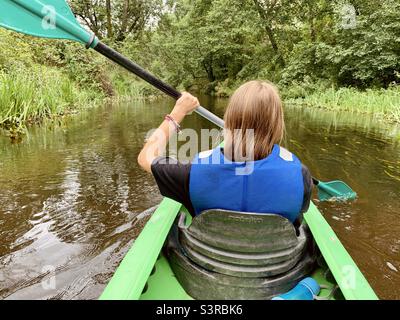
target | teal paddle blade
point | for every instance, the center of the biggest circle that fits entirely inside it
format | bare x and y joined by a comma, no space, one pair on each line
335,190
43,18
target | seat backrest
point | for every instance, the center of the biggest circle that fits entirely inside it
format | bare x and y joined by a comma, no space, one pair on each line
242,244
242,231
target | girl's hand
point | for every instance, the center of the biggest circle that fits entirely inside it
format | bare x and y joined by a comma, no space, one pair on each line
186,104
157,143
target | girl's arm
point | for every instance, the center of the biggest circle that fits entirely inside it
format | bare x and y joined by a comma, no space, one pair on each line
157,143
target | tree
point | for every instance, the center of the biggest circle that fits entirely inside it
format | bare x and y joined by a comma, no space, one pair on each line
118,18
206,42
368,54
110,31
269,11
352,43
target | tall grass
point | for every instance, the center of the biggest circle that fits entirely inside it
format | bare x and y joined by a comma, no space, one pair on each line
43,92
382,103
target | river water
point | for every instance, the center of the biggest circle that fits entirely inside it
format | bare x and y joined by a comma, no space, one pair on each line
73,198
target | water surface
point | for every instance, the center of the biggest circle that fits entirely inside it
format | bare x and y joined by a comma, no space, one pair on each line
73,198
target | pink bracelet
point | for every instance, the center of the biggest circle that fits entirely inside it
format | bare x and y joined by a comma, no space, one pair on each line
176,124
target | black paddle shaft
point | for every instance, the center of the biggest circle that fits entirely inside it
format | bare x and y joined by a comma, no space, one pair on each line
154,81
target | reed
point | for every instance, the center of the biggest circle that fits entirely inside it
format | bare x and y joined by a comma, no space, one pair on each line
43,92
382,103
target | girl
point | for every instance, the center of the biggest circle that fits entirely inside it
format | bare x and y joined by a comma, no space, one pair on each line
254,175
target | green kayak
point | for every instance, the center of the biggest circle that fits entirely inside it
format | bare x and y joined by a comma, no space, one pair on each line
145,273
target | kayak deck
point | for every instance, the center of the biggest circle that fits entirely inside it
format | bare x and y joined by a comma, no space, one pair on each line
145,273
163,285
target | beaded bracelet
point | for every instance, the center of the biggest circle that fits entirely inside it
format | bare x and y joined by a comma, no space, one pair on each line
176,124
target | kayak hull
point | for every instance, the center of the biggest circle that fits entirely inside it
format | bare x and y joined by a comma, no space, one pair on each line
145,272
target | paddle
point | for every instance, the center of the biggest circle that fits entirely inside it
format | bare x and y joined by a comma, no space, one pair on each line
54,19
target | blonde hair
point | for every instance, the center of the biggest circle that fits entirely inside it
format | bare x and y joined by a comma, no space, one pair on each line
256,107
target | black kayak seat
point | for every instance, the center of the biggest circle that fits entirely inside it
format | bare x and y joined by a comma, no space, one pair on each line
225,254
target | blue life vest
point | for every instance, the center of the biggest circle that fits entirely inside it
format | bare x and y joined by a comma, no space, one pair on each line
271,185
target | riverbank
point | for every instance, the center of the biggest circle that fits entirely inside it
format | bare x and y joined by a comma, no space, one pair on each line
45,79
42,79
30,95
383,104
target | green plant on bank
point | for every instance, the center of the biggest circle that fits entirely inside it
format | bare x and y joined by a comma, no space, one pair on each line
382,103
41,93
43,79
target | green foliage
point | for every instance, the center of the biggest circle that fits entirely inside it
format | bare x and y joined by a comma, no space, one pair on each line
14,45
202,43
41,93
127,87
368,55
43,78
87,68
362,54
117,19
382,103
213,45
